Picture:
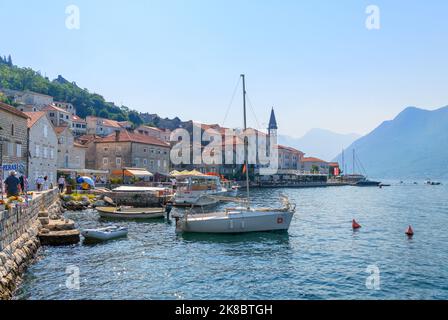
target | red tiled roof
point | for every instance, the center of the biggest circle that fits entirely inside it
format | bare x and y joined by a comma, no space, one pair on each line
111,123
312,159
11,109
33,117
54,108
76,144
126,136
78,119
289,149
333,164
60,129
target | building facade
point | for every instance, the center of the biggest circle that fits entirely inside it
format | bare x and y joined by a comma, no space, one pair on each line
71,154
58,116
13,140
43,146
162,134
314,165
79,126
125,149
104,127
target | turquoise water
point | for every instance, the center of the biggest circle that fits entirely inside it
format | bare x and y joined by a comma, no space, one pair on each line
319,258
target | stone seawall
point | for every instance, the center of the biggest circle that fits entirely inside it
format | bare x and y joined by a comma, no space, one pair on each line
19,242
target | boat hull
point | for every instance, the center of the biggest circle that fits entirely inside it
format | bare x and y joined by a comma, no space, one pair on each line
152,213
236,222
98,235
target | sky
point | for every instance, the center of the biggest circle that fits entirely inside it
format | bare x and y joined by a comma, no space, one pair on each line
315,62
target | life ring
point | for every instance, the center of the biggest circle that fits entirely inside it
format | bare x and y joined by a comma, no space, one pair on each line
279,220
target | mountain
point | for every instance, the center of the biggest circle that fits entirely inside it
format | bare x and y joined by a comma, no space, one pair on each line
413,145
320,143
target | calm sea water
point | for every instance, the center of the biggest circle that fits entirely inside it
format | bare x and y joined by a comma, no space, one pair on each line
319,258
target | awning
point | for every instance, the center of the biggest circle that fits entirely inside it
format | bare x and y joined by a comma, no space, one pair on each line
139,173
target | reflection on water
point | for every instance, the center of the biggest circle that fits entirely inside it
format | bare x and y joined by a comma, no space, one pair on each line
320,257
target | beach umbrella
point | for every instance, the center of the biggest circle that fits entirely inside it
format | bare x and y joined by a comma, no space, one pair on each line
87,180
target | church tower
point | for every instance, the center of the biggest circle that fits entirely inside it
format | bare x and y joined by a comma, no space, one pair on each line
272,129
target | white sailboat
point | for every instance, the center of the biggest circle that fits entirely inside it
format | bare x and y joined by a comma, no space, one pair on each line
241,219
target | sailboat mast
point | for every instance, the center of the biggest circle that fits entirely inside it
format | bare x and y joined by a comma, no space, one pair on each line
246,151
353,161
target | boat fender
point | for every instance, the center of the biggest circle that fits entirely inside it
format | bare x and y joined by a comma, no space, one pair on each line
279,220
410,232
355,225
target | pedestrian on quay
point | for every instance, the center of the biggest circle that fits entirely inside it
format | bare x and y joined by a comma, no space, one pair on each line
12,184
61,184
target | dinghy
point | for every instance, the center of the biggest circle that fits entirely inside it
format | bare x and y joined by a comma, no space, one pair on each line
131,213
103,234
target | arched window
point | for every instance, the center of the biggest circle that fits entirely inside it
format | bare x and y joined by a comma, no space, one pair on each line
12,129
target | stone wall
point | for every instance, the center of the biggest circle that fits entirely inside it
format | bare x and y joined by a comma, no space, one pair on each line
19,228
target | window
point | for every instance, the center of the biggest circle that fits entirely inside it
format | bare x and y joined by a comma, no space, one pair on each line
158,163
145,150
164,164
61,116
105,161
151,163
137,162
77,160
118,161
51,153
37,151
45,152
12,129
19,150
10,149
105,148
45,131
66,117
145,162
51,114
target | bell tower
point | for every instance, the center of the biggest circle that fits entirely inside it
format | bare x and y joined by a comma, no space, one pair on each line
272,129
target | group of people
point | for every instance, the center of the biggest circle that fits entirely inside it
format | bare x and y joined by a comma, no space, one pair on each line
14,186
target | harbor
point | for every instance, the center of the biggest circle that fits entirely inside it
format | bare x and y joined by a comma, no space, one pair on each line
321,257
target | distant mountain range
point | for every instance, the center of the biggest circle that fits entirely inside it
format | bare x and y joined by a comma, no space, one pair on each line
413,145
320,143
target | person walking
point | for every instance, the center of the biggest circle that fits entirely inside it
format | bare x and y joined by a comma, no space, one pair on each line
61,184
12,184
39,183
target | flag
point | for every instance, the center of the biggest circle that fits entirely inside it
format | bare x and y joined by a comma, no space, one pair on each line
244,169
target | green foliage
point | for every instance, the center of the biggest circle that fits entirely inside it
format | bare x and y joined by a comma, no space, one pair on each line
86,103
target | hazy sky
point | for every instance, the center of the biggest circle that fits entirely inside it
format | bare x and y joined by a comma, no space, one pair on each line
314,61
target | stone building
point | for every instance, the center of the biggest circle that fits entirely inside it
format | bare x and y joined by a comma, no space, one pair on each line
29,99
126,149
314,165
79,126
13,140
58,116
104,127
162,134
43,146
66,106
71,154
289,158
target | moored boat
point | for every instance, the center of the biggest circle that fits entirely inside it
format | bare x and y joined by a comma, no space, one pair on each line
103,234
131,213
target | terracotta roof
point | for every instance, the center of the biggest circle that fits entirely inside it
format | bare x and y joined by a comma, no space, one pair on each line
111,123
54,108
60,129
333,164
87,138
289,149
126,136
33,117
11,109
312,159
76,144
78,119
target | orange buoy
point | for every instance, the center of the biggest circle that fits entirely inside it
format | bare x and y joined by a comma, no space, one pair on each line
355,225
410,232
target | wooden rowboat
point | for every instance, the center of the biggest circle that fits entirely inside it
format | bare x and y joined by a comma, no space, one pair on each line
131,213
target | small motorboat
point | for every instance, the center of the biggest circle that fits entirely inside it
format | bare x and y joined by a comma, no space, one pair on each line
131,213
103,234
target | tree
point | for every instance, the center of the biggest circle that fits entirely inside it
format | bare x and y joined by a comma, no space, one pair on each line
314,169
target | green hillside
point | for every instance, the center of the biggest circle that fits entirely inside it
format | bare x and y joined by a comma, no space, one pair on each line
86,103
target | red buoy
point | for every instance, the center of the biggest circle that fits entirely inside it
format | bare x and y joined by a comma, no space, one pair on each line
410,232
355,225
